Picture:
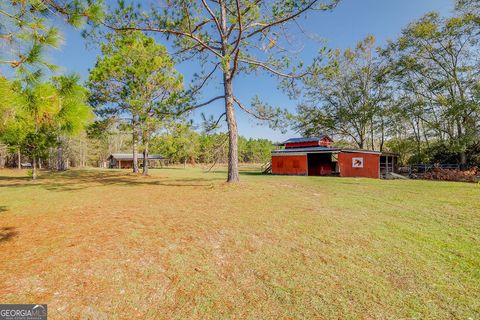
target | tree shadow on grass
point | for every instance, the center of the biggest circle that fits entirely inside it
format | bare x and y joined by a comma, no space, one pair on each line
252,173
7,178
7,234
82,179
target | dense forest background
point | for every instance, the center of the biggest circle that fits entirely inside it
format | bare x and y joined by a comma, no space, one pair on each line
182,145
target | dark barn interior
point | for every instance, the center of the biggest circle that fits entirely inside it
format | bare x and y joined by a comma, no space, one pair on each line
388,163
320,164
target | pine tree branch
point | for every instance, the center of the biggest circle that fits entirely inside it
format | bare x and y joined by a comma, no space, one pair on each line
250,112
285,19
272,70
167,31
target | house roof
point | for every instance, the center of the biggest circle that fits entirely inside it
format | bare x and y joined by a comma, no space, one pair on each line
129,156
305,139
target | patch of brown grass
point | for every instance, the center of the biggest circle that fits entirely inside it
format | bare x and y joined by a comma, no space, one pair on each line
182,244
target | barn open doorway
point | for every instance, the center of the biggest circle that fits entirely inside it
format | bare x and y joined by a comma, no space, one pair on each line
320,164
388,164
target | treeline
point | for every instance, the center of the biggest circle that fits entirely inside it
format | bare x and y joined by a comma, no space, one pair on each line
182,144
187,147
178,142
418,96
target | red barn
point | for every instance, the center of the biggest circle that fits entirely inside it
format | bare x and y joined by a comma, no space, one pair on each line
316,156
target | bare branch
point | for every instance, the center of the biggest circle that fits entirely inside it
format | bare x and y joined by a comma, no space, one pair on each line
213,126
250,112
219,148
200,25
206,79
213,16
206,103
282,20
219,118
272,70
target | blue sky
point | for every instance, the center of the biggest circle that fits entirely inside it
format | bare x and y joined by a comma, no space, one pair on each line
349,23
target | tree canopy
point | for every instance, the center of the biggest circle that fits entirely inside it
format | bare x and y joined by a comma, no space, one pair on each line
135,81
44,112
417,95
346,95
26,31
230,37
435,66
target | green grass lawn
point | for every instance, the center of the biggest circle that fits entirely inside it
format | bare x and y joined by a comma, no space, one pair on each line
182,244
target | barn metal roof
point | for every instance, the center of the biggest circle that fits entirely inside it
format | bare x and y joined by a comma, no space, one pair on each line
320,150
305,139
360,151
307,150
129,156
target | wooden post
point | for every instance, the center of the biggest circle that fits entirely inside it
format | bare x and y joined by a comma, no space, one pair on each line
119,164
306,158
380,167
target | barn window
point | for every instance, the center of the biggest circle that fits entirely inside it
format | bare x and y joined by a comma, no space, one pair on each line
296,164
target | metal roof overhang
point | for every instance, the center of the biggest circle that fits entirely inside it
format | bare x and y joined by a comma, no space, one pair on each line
304,151
129,157
303,140
361,151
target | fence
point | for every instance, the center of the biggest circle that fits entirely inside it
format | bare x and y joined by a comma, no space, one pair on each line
424,168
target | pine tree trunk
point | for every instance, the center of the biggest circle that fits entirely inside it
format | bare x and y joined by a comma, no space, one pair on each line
135,152
233,176
145,159
228,73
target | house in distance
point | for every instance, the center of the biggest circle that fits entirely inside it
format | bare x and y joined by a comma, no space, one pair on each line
316,156
125,160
